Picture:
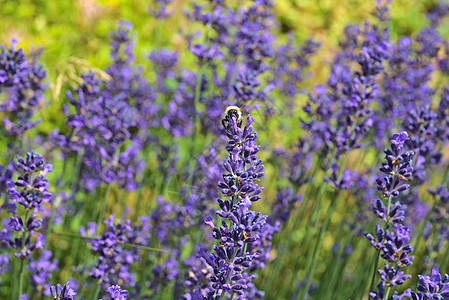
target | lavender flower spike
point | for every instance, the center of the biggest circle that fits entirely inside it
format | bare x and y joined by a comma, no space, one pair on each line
241,227
432,287
117,293
30,190
60,292
393,246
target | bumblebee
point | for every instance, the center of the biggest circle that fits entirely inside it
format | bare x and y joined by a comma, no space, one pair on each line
229,113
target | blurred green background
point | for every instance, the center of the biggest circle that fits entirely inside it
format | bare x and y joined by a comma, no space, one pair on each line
74,33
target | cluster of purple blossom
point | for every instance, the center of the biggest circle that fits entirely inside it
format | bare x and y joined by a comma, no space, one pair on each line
393,246
125,137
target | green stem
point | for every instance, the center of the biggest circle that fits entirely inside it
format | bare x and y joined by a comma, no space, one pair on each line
311,264
337,270
142,183
445,260
387,225
22,274
373,277
316,204
79,163
303,294
98,289
13,284
445,176
195,125
196,98
429,213
103,207
52,216
21,148
363,282
423,226
387,293
290,225
22,263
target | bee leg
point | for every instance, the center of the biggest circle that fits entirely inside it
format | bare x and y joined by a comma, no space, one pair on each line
239,123
224,122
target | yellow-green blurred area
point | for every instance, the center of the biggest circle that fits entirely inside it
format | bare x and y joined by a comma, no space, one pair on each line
70,31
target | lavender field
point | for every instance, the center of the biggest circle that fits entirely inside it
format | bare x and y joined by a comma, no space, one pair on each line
224,150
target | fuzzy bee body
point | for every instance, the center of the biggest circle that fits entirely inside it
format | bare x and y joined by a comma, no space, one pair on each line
229,113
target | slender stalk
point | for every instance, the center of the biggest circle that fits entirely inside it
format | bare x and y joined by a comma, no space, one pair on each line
22,274
103,207
316,203
291,224
87,258
423,226
13,284
142,183
21,146
313,263
335,275
196,98
387,225
80,237
52,217
363,282
445,260
373,277
22,263
195,125
339,263
429,213
98,289
79,163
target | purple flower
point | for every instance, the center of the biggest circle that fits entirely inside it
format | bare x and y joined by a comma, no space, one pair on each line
339,115
109,119
380,293
60,292
158,9
41,270
4,263
116,293
285,202
164,62
289,67
21,82
178,119
204,53
113,260
393,246
432,287
240,240
30,190
391,276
